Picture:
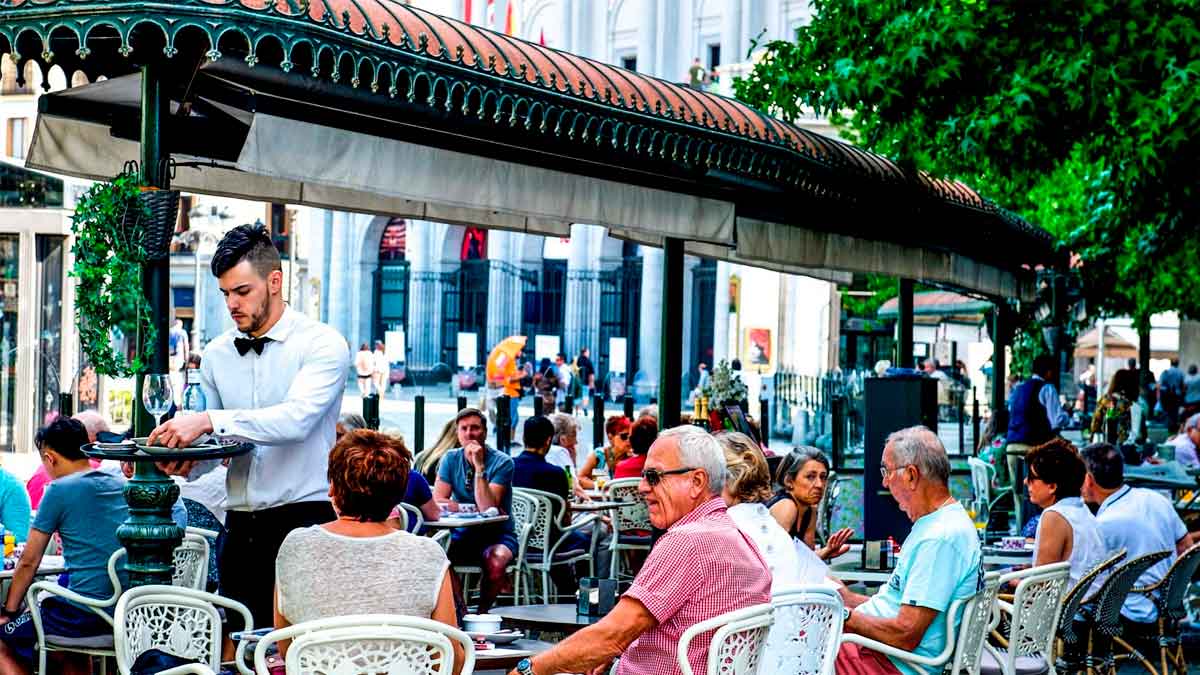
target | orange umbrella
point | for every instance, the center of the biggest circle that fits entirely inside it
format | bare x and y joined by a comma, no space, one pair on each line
502,362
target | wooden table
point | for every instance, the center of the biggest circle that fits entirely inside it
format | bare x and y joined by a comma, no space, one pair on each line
454,521
556,618
596,505
506,657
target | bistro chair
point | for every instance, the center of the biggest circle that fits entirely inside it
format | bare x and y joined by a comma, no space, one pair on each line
524,510
96,645
736,643
1072,634
190,562
541,554
365,643
630,523
982,477
179,621
964,643
833,491
411,518
805,633
1168,595
1028,648
1102,615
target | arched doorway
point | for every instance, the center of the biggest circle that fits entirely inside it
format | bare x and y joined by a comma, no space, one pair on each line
465,298
391,281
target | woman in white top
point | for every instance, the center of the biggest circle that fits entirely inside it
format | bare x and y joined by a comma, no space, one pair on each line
1067,530
357,564
364,367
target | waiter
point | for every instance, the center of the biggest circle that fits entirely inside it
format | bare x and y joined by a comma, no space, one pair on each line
276,380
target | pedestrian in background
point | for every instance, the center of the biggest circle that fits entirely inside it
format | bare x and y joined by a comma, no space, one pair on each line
364,368
382,369
586,373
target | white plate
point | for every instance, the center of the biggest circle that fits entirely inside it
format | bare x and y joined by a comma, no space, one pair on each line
502,638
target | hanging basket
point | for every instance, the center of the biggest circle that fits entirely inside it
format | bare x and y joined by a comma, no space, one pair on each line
153,228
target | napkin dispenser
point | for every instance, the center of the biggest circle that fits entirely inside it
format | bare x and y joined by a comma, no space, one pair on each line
596,596
877,555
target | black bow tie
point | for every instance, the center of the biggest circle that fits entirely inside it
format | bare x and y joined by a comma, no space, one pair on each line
246,344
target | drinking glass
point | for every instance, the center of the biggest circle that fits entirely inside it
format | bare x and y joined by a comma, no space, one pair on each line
156,395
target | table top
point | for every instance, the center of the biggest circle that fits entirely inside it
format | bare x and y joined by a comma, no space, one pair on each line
505,657
596,505
563,617
452,521
50,565
166,454
849,569
1169,475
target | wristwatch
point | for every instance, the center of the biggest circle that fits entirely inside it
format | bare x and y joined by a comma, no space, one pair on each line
525,667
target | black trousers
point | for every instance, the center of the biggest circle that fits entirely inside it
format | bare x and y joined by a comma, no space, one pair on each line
247,561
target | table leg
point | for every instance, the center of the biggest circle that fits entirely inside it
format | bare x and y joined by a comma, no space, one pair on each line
149,535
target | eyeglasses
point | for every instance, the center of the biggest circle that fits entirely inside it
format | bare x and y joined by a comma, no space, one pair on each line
654,476
884,472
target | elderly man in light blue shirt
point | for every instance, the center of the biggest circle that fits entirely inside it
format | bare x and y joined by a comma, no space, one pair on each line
1187,443
941,563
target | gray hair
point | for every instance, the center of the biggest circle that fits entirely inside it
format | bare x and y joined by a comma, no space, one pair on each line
918,446
564,424
92,421
699,450
352,421
1193,422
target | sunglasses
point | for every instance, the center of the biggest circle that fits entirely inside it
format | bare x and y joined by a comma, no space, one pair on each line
654,476
624,436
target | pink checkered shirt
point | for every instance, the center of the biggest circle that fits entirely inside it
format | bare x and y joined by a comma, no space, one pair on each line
701,567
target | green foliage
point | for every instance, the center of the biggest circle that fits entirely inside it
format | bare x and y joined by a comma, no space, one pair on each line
724,385
1084,117
108,256
867,307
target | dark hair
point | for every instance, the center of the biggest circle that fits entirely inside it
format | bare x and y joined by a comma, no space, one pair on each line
1131,362
1043,363
1106,464
795,460
368,474
538,431
364,346
470,412
1058,462
194,359
615,425
642,435
63,435
251,243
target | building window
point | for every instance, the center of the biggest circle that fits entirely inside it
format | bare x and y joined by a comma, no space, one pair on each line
9,264
49,329
714,56
16,137
629,62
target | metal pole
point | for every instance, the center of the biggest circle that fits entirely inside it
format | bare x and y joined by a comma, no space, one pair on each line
370,410
836,439
764,421
418,423
670,394
503,423
539,405
974,418
628,406
149,535
569,404
462,402
962,441
999,342
598,420
904,325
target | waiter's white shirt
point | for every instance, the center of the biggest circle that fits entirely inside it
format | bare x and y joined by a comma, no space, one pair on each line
286,401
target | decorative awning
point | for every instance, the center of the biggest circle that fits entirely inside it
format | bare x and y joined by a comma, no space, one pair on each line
610,144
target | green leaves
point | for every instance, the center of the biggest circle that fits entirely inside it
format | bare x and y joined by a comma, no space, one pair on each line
1082,117
110,305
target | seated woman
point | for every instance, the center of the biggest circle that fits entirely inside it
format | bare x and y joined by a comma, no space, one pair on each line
1067,530
605,459
357,564
641,437
802,476
427,461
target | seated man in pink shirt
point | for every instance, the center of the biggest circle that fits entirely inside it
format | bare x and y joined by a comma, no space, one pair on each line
701,567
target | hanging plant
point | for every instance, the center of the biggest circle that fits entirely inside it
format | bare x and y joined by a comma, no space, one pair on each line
109,251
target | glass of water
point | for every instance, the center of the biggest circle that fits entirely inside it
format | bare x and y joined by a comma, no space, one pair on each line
156,395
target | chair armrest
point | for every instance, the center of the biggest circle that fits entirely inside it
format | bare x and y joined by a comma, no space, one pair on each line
54,589
239,659
586,520
1147,590
910,658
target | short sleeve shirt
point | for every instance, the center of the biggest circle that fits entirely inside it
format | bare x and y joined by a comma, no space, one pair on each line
531,470
1141,521
724,572
940,562
14,506
417,493
460,475
85,509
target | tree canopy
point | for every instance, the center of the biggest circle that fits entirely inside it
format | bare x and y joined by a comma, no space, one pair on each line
1083,116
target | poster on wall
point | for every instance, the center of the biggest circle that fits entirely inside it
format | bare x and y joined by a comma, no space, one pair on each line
393,346
468,350
546,347
617,355
759,354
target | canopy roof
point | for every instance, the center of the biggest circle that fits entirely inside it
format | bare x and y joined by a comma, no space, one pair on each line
646,150
938,304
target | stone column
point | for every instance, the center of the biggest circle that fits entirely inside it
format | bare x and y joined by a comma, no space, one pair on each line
337,276
649,348
424,328
647,52
721,314
731,32
581,324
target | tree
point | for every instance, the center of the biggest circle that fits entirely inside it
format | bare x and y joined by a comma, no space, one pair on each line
1083,116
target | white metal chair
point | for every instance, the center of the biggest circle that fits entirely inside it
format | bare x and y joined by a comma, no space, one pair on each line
411,518
368,643
98,645
524,510
541,554
180,621
833,492
191,562
964,643
806,632
736,643
982,475
1034,616
627,521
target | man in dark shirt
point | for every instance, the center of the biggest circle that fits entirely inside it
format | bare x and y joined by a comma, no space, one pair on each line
531,470
587,378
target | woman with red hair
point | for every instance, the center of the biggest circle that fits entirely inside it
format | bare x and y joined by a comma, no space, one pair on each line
605,459
358,564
